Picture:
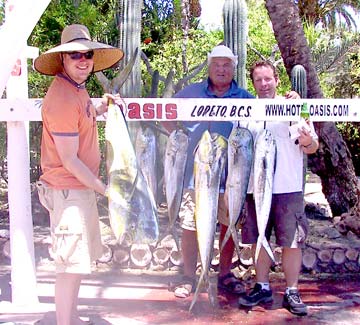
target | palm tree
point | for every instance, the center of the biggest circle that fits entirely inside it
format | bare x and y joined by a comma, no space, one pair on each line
333,161
329,13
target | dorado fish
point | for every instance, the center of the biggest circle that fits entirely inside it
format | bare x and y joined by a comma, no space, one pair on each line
145,149
132,208
240,159
264,168
174,169
210,157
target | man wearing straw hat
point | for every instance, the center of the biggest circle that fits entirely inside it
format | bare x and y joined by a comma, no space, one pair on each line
70,159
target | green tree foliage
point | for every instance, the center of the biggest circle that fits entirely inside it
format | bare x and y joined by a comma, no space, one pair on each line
168,56
162,40
351,135
2,12
262,44
331,14
161,23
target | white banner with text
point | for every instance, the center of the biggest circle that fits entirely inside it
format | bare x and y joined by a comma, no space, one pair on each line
206,109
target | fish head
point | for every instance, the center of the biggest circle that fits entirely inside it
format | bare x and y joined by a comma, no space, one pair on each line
145,138
220,145
268,137
182,139
178,141
204,149
240,144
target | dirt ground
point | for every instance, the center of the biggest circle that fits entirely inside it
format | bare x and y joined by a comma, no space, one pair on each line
128,296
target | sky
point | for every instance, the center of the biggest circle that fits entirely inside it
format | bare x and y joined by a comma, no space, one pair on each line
211,14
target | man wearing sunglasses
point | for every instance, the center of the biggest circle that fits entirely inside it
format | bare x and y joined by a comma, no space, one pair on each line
70,159
78,65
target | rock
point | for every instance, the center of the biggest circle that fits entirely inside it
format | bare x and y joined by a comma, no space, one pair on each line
4,233
309,259
332,233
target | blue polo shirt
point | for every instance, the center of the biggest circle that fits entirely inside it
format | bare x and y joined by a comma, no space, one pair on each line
196,129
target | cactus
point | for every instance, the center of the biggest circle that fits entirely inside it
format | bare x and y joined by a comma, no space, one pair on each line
298,80
235,35
130,28
299,84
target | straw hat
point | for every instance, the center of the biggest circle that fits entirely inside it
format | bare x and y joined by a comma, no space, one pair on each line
77,38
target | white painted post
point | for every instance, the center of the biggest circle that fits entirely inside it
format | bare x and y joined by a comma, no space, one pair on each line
23,271
20,19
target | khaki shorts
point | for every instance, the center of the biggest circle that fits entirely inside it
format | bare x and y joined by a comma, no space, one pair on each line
287,219
187,210
74,226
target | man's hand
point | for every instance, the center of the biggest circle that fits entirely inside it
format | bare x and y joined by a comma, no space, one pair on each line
292,95
103,107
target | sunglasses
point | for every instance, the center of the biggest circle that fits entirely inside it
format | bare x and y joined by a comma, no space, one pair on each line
78,55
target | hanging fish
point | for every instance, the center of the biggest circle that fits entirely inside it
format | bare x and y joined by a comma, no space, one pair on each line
264,169
240,160
132,208
210,157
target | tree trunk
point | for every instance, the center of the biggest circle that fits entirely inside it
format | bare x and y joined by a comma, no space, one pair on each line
332,162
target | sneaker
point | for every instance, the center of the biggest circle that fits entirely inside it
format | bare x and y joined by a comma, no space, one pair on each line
293,303
256,296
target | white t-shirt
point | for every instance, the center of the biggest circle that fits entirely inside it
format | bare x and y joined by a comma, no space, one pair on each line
288,176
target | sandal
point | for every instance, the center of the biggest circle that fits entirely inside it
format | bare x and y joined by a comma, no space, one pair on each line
231,284
185,287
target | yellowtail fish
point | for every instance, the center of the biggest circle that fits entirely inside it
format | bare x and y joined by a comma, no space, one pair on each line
145,149
174,169
210,157
240,160
264,169
132,208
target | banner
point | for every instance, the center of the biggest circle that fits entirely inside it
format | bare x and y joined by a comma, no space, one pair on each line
231,109
205,109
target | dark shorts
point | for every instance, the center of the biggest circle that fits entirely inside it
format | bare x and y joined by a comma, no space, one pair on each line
287,219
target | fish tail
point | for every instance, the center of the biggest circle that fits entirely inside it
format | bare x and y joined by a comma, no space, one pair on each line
213,292
267,247
262,242
176,238
235,237
257,250
226,238
199,286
